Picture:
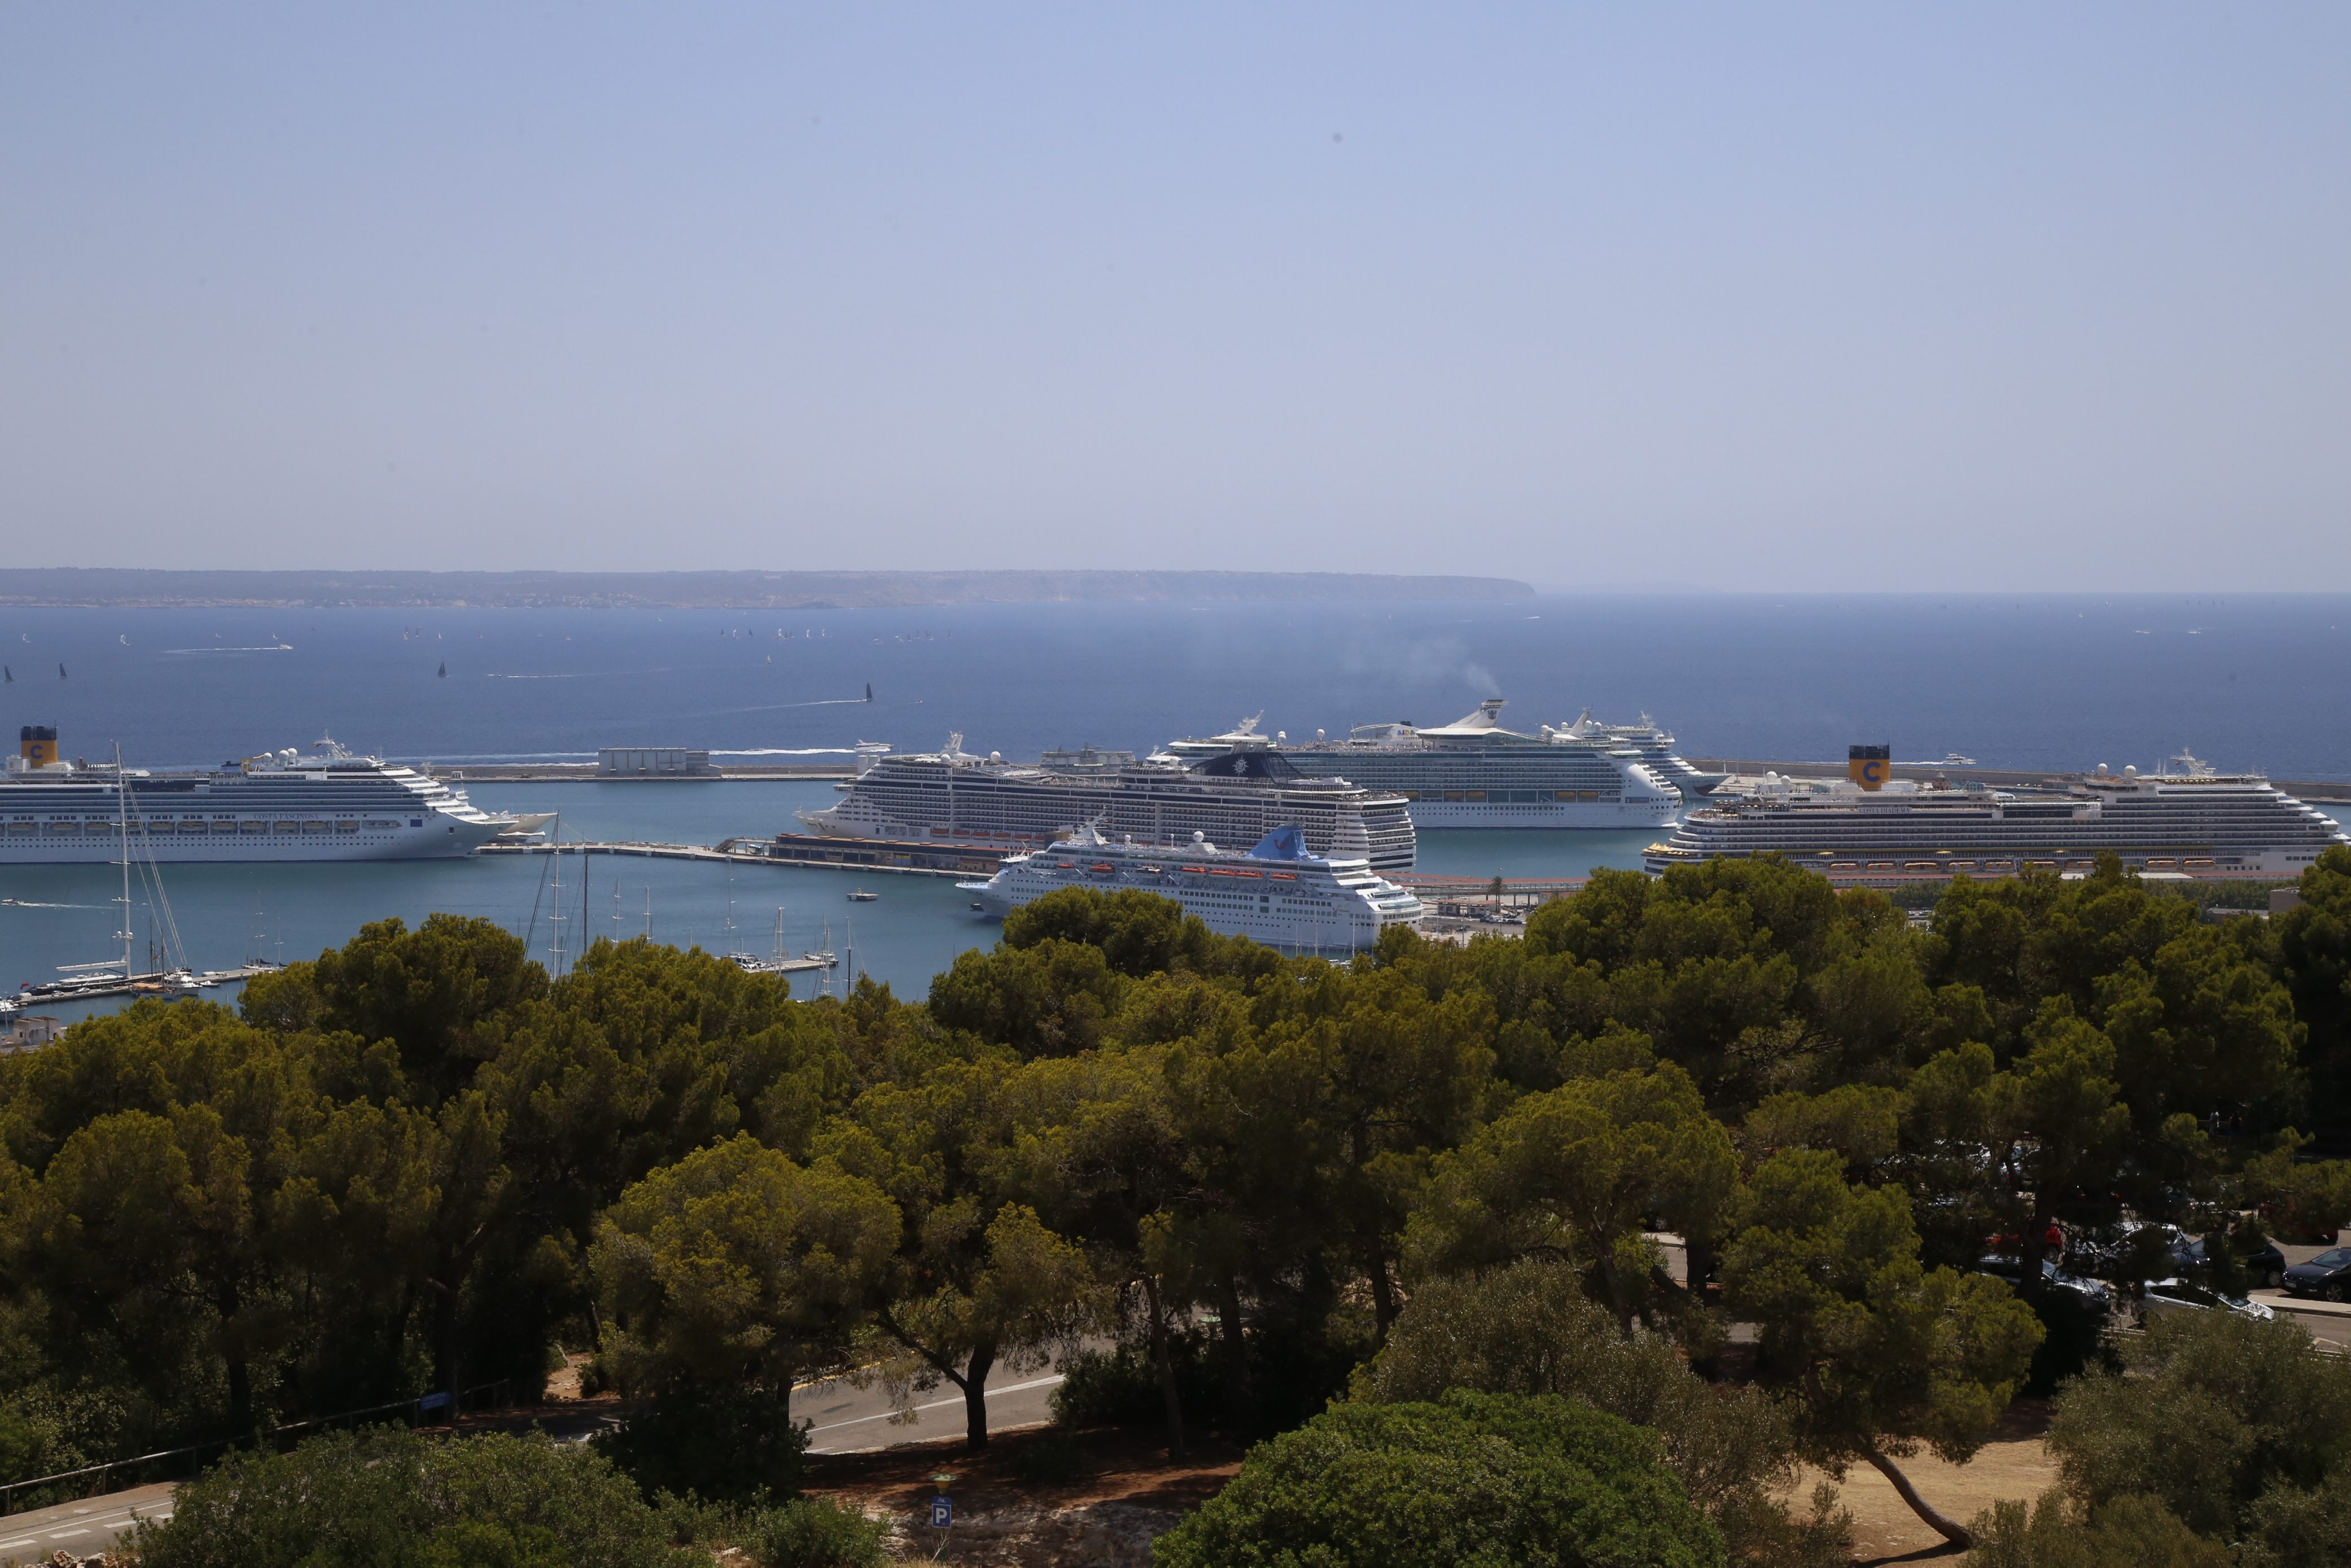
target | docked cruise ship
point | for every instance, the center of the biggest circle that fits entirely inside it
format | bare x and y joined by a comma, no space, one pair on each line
951,797
1276,894
2192,821
1473,773
279,805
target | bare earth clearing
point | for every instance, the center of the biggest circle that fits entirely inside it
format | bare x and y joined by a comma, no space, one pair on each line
1123,1492
2016,1464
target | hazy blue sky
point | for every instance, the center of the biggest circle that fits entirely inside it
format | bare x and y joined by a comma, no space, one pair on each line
1987,296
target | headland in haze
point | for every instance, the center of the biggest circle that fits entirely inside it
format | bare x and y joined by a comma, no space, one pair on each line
139,587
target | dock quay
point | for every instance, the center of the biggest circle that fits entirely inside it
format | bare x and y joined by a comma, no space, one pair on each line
1475,897
160,984
884,856
892,857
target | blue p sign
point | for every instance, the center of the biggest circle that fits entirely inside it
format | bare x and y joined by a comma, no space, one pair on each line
942,1513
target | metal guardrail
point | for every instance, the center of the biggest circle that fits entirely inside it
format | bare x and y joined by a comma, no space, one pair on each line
276,1436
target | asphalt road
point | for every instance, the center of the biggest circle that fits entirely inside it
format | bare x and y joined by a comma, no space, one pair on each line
846,1419
84,1528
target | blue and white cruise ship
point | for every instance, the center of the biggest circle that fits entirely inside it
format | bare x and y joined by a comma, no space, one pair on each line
1276,894
279,805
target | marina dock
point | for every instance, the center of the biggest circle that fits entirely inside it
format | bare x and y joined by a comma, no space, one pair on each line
155,984
807,850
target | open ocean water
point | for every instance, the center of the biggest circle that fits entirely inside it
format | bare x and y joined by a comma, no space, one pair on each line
2021,682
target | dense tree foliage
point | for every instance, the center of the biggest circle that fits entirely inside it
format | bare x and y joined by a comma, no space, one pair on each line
1730,1093
1475,1480
2222,1430
390,1499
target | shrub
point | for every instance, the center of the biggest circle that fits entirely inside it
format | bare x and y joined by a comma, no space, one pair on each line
2221,1409
393,1499
722,1444
2073,1341
1529,1329
811,1533
1473,1481
1050,1458
2129,1532
1295,1368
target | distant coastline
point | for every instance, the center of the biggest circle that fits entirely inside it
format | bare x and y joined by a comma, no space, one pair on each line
137,588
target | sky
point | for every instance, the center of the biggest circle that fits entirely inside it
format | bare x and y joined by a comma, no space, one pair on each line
1994,296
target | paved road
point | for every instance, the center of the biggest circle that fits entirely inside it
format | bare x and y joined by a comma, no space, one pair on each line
84,1528
846,1419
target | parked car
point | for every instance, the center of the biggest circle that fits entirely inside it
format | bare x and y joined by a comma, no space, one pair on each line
2265,1265
2163,1297
2327,1276
2013,1270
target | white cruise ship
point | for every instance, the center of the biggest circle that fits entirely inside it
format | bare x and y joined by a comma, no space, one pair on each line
280,806
952,798
1473,773
2193,822
1276,894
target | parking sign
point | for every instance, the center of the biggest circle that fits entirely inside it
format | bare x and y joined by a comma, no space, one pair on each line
942,1513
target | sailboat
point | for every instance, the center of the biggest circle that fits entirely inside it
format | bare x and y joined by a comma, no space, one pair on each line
109,974
748,963
443,673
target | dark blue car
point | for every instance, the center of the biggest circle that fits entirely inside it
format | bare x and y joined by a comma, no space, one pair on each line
2326,1276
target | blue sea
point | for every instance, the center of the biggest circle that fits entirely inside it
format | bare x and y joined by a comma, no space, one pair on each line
2023,682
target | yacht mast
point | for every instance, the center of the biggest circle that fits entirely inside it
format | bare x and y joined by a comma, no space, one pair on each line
556,920
122,823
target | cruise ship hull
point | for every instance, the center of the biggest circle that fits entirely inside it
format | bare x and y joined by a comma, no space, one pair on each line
1473,774
433,840
1305,904
277,807
949,799
2199,826
1583,816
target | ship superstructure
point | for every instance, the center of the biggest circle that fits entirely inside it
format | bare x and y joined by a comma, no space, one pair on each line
1473,773
1278,893
327,804
952,797
2191,821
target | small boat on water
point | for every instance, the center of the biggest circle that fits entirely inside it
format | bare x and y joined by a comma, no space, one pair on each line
859,896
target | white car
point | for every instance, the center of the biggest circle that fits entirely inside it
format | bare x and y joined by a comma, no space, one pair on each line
2166,1296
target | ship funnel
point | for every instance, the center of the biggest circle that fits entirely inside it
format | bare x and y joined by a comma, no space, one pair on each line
1869,766
36,744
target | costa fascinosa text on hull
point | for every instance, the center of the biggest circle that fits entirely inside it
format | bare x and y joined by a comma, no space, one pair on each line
278,806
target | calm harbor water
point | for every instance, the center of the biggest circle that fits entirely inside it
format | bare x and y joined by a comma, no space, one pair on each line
2026,682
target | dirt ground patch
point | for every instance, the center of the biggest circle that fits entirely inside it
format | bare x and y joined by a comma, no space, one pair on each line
2016,1464
1117,1492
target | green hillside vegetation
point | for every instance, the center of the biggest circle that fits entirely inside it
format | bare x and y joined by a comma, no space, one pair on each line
418,1163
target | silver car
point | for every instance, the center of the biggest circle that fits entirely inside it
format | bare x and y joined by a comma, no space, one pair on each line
2162,1297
